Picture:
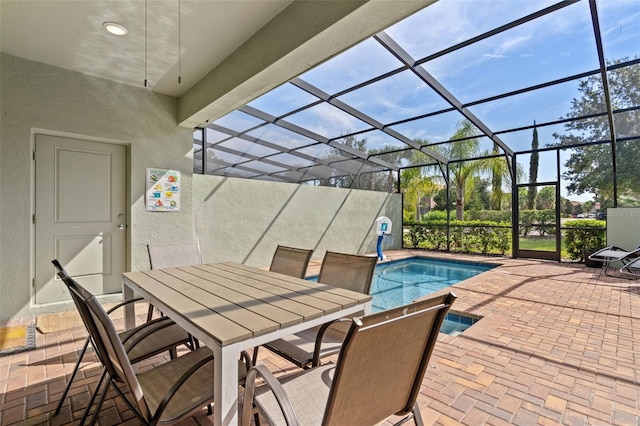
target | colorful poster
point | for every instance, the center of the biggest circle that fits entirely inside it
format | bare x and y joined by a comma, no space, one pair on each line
163,190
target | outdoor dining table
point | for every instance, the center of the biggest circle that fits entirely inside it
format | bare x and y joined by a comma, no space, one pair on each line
232,307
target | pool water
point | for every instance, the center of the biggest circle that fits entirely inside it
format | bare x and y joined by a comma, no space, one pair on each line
400,282
403,281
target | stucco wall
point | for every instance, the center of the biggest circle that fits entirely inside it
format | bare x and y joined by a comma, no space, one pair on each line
38,96
243,220
235,219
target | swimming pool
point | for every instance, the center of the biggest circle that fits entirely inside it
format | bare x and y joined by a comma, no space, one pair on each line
402,281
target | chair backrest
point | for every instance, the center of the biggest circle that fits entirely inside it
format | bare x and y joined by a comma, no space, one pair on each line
349,271
173,255
383,361
79,295
291,261
60,269
71,283
115,357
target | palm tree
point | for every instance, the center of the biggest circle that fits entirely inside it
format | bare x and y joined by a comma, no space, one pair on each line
416,186
461,171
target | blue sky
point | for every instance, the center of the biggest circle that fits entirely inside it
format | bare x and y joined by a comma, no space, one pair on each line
551,47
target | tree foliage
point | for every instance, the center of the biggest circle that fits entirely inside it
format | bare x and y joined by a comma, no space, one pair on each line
416,186
589,168
384,180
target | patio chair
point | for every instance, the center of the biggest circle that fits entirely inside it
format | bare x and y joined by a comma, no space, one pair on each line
632,268
291,261
306,348
165,394
142,342
612,254
378,373
173,255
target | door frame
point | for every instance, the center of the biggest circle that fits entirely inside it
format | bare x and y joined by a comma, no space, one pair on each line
536,254
48,307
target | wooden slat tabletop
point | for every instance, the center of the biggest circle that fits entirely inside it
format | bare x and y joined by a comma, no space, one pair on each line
233,302
227,331
329,292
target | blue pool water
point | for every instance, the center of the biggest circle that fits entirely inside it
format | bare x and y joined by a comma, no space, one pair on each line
403,281
400,282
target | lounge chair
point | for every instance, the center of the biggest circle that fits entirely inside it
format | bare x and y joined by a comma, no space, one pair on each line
612,254
379,372
306,348
632,268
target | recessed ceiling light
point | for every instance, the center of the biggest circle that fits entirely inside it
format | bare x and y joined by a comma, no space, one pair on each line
114,28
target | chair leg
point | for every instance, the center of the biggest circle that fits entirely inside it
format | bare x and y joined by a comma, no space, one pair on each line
87,410
150,313
254,357
414,414
73,375
417,417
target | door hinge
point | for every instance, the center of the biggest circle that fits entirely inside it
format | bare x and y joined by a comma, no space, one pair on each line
34,218
34,156
33,283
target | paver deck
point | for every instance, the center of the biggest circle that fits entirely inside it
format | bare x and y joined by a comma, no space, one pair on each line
558,343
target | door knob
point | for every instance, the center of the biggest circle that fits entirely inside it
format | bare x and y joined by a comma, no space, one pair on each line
121,226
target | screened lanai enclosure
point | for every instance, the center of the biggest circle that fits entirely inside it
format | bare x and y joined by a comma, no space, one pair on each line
510,127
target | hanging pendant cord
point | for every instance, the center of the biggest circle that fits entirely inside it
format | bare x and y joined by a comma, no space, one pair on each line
145,43
179,46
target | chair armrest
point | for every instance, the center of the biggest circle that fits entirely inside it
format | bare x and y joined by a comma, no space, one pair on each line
246,358
315,361
278,392
121,304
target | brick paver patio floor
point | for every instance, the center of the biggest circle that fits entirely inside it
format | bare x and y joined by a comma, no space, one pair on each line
558,343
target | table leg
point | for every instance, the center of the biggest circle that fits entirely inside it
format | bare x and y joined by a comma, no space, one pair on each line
129,309
225,409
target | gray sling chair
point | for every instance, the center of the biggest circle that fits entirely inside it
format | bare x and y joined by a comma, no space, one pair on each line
378,373
165,394
291,261
173,255
141,342
306,348
631,269
612,254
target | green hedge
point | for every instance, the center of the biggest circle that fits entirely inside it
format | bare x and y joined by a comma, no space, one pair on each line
469,236
478,236
537,220
586,234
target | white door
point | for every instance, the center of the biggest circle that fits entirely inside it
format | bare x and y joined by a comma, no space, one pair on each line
80,215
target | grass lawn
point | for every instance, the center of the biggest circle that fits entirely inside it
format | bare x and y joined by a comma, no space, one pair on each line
546,243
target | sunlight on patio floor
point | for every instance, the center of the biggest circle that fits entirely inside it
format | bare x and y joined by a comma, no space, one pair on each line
557,344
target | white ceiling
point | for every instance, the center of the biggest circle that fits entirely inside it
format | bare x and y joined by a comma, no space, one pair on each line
69,34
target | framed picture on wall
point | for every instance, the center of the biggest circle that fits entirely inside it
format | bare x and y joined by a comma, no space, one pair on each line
163,190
